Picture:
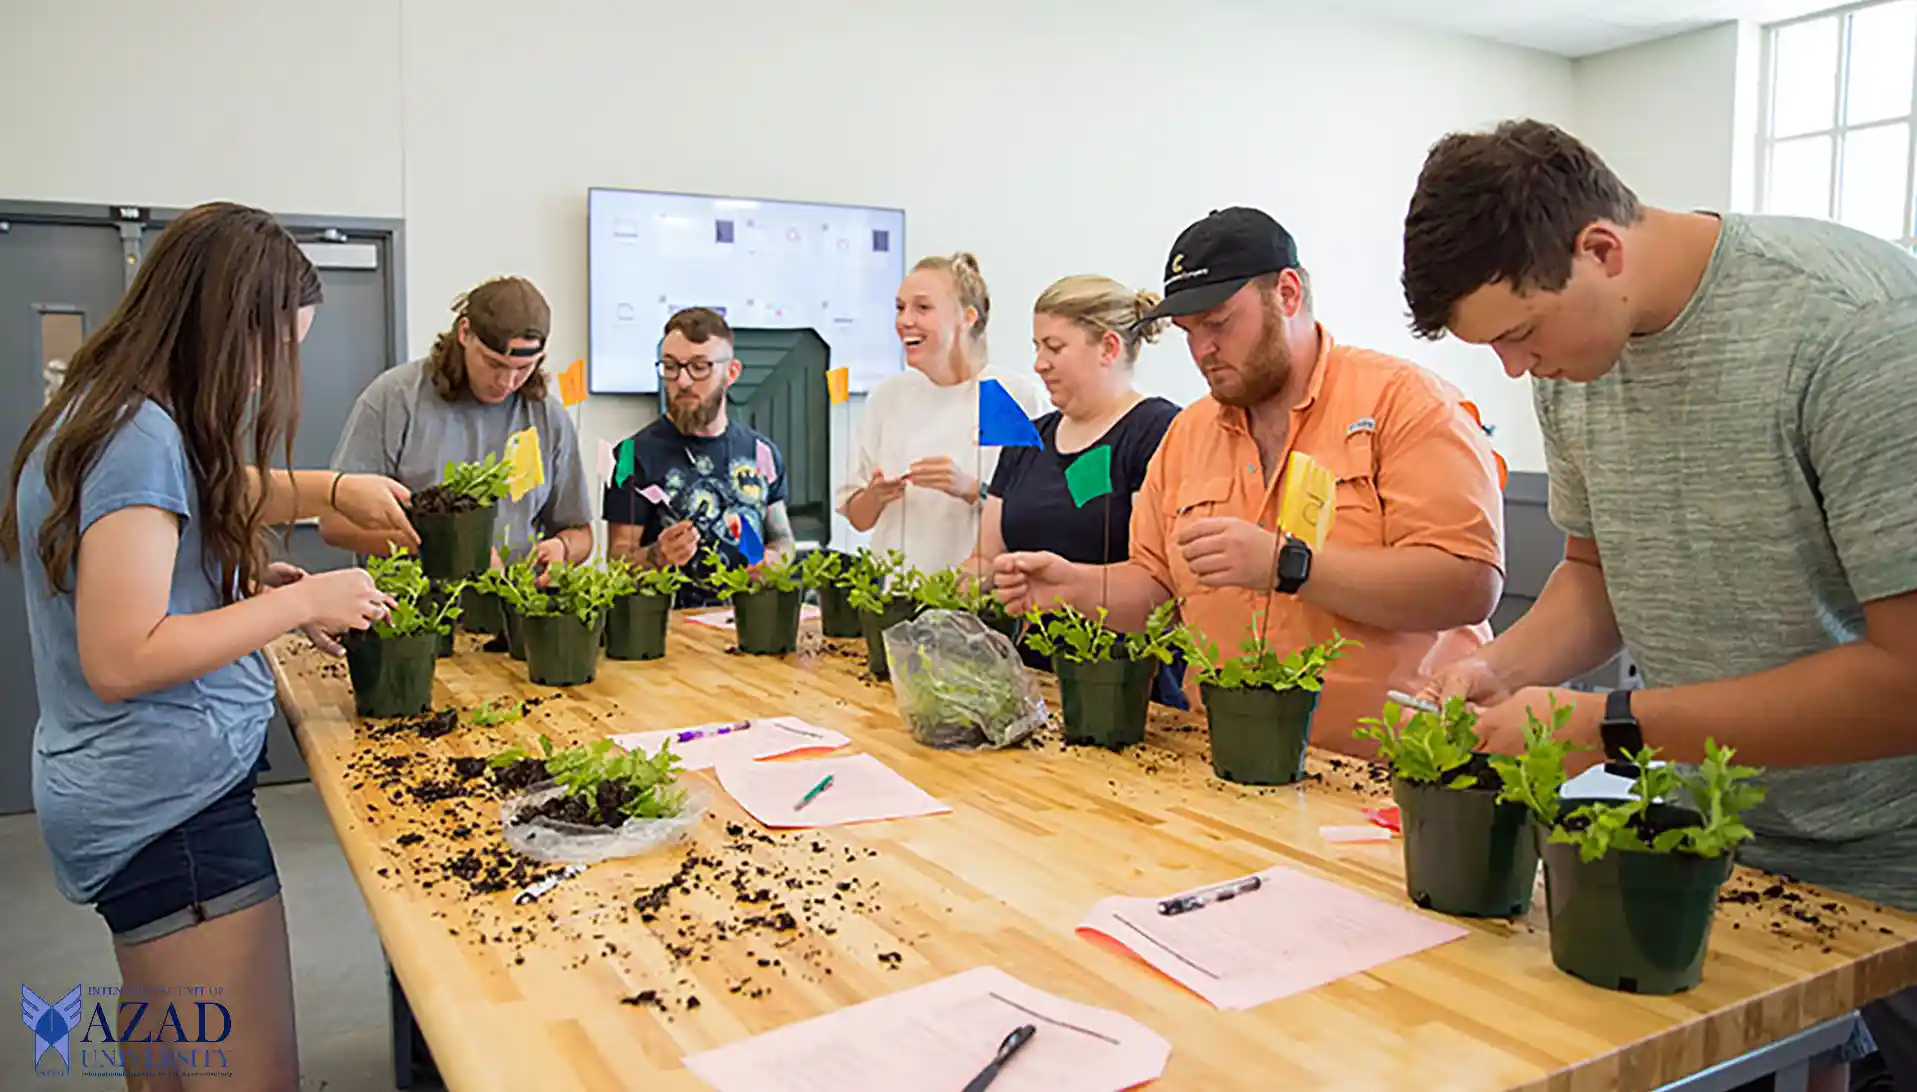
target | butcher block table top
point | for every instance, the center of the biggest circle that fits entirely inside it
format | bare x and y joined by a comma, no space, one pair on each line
610,979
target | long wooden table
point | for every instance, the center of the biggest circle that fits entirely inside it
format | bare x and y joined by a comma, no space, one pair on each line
606,982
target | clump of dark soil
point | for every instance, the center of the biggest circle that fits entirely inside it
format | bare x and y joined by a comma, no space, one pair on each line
520,775
437,500
428,725
468,768
609,796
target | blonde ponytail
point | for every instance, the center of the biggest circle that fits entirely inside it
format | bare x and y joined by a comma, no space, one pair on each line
1099,306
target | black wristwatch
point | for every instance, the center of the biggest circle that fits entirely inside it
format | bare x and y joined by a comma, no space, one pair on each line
1623,736
1294,565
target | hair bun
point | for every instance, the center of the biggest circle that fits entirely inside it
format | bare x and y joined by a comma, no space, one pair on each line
1142,303
965,259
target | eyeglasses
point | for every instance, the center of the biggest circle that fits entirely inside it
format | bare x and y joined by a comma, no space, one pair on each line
697,369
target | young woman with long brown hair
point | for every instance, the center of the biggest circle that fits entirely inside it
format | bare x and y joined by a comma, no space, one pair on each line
140,497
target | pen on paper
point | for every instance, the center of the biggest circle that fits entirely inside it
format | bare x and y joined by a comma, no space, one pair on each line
691,734
1187,903
812,793
1011,1045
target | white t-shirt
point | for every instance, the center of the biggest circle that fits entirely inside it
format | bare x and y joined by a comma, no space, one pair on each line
908,417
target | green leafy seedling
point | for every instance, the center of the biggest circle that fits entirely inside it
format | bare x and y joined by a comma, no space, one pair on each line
1429,746
485,482
1720,791
519,751
1535,777
501,711
400,576
582,591
869,581
1258,666
653,795
728,580
821,569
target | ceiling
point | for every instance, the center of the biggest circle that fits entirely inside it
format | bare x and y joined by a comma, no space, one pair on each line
1579,28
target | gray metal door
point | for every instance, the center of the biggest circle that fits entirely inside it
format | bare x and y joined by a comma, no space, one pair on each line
58,283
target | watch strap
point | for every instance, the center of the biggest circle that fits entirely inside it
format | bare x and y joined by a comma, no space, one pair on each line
1623,737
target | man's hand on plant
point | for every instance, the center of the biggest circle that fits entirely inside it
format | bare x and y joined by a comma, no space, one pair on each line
678,543
1029,579
1501,726
941,475
1471,679
1230,553
376,503
341,600
549,552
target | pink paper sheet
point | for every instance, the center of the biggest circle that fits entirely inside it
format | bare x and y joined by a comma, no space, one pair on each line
722,619
1294,933
938,1036
764,737
863,789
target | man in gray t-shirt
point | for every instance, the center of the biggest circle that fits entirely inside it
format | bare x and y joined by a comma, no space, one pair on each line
479,386
1726,404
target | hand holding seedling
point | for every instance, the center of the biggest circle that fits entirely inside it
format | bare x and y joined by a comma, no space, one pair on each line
548,553
1471,678
678,543
941,475
1230,553
279,575
341,600
375,503
1501,726
1029,580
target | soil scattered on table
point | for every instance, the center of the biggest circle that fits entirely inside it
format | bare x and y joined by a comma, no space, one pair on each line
427,725
1785,909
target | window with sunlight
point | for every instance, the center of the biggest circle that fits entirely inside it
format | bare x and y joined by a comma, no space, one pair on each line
1838,134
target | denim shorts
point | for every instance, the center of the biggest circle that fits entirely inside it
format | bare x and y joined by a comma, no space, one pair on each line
216,863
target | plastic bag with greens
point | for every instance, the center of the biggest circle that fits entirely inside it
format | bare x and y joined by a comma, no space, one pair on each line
959,684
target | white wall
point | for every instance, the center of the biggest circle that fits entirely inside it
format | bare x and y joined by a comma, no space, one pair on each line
1048,138
1676,118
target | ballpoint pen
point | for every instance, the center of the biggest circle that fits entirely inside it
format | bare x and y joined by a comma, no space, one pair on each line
1012,1044
815,790
1410,702
540,888
1186,903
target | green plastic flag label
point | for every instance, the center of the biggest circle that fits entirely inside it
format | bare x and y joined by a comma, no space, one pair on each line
1090,475
625,468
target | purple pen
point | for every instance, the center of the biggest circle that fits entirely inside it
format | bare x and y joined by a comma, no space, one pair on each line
700,733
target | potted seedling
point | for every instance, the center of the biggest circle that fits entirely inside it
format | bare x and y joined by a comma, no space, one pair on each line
516,583
1466,850
765,602
562,627
641,610
828,573
1104,677
955,589
1258,705
880,588
482,607
455,518
1631,885
391,664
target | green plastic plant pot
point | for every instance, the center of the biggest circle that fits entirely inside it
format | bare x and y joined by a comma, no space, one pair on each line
457,546
515,631
482,612
874,626
1258,736
560,650
1631,921
767,621
636,627
1105,702
1465,853
837,616
392,678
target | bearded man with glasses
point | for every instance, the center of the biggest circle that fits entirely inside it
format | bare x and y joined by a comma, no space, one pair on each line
697,478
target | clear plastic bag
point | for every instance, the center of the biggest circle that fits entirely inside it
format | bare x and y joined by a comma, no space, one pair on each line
960,685
546,839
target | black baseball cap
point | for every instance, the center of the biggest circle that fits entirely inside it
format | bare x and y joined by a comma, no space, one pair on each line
1217,256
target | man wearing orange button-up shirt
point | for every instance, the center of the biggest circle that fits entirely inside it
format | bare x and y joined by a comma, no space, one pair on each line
1413,566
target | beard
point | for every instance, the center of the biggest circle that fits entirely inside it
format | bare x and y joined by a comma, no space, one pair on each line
695,418
1263,374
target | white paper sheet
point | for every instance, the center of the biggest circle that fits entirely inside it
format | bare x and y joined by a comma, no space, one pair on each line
863,789
763,737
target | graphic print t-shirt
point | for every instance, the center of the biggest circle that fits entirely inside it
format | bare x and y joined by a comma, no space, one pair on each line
718,482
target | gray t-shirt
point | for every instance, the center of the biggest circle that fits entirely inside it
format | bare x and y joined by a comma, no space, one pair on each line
1750,477
109,777
402,428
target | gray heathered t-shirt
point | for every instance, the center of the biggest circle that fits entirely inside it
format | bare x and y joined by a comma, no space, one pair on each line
1750,477
402,428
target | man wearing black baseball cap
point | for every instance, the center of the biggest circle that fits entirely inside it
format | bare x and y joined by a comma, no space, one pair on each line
481,384
1413,565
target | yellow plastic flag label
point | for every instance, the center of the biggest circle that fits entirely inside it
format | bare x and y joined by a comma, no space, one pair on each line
528,469
1309,500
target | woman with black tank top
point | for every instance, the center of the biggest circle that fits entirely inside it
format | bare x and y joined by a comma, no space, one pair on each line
1086,334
